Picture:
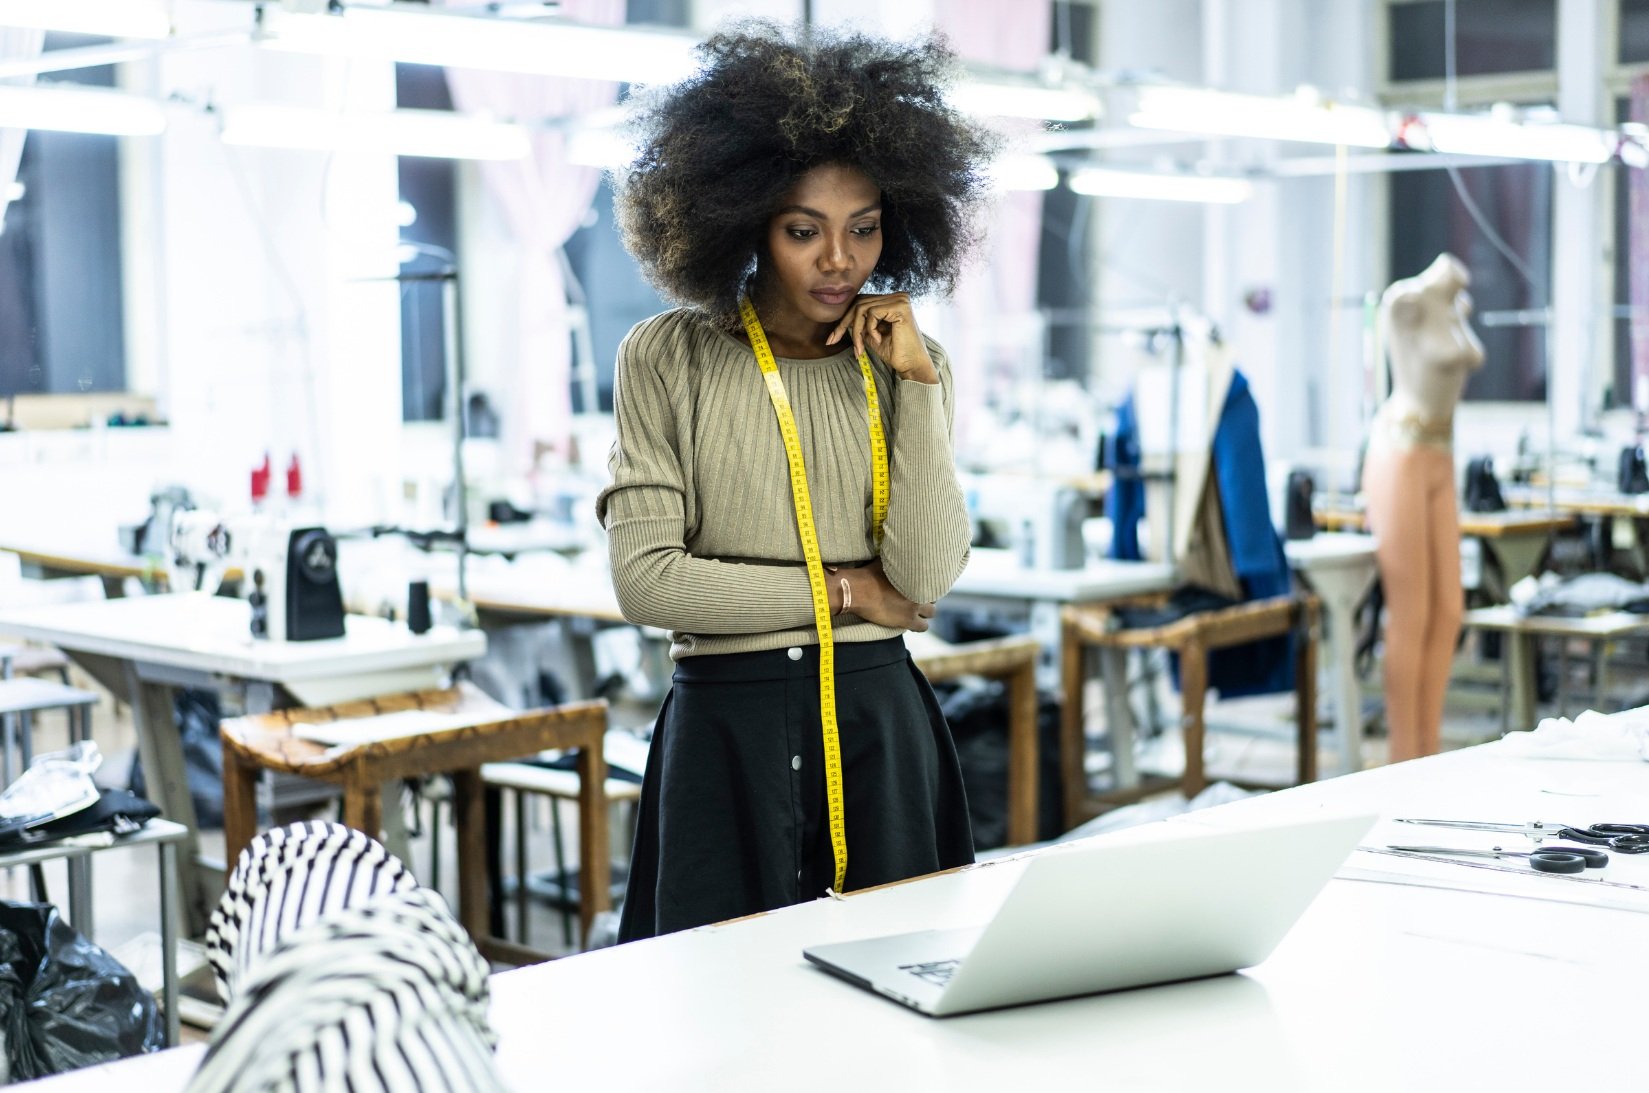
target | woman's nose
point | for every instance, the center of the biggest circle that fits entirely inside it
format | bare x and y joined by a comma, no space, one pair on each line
834,256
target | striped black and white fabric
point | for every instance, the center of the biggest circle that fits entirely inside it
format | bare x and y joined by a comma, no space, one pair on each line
390,996
288,878
341,973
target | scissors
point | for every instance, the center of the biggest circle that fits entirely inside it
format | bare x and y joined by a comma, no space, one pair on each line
1625,838
1548,859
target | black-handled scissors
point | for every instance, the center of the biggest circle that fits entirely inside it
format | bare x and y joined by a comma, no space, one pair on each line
1548,859
1624,838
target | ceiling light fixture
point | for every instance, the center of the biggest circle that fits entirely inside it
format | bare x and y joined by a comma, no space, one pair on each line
1304,116
1492,135
1020,171
438,134
1209,189
414,34
79,110
1016,99
105,18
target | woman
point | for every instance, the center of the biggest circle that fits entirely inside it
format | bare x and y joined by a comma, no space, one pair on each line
790,196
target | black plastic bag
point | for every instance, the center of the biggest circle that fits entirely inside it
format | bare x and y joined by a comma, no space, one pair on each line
64,1002
977,713
198,717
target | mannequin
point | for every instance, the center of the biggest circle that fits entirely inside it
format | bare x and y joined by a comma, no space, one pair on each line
1409,486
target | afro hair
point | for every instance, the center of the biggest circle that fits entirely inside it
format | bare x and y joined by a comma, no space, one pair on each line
719,151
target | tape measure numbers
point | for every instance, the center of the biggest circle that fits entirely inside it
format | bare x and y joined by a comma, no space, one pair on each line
835,796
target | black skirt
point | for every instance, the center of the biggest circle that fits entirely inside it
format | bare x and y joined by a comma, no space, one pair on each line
733,818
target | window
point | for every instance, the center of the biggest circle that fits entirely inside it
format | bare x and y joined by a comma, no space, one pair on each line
1429,216
1465,211
1491,37
61,312
428,205
616,295
1634,31
1063,289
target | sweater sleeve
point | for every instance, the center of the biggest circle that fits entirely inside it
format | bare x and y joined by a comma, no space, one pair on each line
645,513
926,536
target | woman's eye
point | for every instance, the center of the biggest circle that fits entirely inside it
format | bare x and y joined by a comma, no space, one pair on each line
867,229
802,233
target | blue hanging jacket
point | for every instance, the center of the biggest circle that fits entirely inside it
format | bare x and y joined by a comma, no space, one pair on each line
1260,667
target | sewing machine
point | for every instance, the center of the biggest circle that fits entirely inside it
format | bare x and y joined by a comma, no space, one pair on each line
1040,518
289,574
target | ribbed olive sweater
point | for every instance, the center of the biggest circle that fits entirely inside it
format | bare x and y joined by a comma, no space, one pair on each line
699,519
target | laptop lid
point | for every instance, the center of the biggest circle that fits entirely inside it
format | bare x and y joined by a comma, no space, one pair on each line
1172,902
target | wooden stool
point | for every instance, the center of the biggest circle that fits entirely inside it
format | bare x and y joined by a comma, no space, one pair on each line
1192,637
1012,660
469,730
525,780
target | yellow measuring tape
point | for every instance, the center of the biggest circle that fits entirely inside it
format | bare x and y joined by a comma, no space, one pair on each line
834,794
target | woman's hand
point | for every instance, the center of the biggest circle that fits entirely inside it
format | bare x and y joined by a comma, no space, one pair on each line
888,325
874,599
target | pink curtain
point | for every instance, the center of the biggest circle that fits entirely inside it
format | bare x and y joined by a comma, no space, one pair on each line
1637,269
15,44
543,199
1002,282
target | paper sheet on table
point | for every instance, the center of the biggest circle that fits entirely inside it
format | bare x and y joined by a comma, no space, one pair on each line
387,726
1620,736
1373,864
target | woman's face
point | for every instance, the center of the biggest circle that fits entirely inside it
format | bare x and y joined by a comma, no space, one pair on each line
821,246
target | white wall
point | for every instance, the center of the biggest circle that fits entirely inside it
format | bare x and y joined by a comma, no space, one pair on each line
249,318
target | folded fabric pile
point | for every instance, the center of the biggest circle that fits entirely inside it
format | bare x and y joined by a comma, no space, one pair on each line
1592,735
1588,594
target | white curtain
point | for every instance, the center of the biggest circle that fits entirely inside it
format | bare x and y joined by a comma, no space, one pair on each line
543,199
15,44
1000,287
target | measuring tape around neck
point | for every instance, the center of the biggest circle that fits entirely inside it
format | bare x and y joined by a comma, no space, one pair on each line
835,797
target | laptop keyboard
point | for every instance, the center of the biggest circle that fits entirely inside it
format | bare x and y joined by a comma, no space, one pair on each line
937,972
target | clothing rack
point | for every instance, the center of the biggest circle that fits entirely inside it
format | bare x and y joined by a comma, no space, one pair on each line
1174,331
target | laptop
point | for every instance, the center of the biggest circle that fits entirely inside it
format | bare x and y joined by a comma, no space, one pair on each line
1179,903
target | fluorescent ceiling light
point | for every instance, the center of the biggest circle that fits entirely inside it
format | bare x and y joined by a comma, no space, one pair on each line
1023,172
79,110
1486,135
106,18
1023,100
1212,189
598,146
439,134
1227,114
542,47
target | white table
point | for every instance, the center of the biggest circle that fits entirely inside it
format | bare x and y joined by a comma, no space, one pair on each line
994,580
105,560
144,648
1519,661
1448,980
1340,568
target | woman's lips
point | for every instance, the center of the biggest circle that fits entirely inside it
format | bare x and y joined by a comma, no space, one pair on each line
833,297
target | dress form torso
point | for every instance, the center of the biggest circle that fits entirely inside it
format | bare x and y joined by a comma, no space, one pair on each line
1432,352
